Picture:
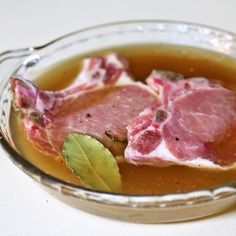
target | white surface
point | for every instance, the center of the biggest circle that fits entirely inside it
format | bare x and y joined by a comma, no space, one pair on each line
25,209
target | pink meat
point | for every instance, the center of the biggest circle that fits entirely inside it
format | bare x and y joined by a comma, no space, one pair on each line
101,102
194,124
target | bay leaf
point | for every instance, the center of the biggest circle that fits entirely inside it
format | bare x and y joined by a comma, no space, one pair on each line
92,162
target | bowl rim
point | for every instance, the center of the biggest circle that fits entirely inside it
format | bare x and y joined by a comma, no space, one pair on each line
115,23
143,201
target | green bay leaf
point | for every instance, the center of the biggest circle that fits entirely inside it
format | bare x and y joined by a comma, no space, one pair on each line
92,162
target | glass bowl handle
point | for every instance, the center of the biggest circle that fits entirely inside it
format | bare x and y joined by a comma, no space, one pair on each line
10,61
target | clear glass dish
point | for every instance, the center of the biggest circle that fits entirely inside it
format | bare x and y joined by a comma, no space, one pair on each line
30,62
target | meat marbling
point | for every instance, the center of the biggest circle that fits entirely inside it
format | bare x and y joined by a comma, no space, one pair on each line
193,124
101,102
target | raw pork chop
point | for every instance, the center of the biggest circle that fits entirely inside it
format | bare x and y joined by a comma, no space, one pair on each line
101,102
194,124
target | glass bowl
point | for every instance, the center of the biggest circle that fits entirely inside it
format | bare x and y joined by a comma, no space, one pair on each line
30,62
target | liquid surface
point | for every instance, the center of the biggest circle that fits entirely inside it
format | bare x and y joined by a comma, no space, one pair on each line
140,180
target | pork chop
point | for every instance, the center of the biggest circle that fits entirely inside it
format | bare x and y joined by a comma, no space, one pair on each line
193,124
101,102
